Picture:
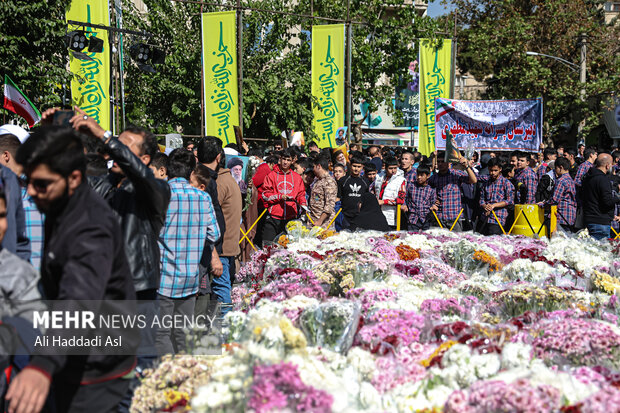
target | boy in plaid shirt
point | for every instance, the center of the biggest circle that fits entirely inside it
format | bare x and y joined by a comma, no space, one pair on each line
190,222
527,176
496,194
420,199
564,195
447,183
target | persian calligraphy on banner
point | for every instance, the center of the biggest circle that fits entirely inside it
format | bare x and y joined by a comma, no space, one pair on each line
409,105
90,86
500,125
219,66
328,81
435,79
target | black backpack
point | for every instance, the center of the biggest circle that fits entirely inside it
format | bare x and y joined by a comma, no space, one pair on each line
544,190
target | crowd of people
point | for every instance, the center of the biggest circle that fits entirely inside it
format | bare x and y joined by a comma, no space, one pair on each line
477,194
112,218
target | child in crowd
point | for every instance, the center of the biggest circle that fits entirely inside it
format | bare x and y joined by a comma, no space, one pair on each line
564,195
339,171
496,194
159,165
350,191
420,199
370,174
390,190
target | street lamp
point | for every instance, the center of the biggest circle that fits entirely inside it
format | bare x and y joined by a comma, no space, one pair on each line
573,66
581,67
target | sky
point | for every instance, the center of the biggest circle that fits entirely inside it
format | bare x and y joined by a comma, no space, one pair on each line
435,8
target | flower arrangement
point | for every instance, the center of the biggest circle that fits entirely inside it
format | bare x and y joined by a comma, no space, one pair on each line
409,322
406,253
495,396
332,324
605,282
283,241
487,259
387,330
278,387
576,342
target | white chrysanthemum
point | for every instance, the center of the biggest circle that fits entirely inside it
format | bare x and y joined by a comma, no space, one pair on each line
370,399
363,361
526,270
516,355
299,302
581,254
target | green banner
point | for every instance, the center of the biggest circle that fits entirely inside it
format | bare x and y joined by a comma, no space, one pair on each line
435,79
90,85
328,82
219,66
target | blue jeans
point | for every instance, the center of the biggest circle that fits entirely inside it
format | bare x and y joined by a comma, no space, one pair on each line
598,231
220,286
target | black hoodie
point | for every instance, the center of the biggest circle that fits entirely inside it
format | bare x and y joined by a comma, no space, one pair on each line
597,198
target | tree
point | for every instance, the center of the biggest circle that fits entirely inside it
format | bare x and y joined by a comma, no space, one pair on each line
495,34
33,50
276,61
169,98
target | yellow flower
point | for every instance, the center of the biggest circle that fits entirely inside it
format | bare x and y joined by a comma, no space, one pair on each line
293,337
493,263
439,350
175,396
283,240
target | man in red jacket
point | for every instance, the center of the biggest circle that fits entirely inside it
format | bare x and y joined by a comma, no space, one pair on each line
258,181
283,193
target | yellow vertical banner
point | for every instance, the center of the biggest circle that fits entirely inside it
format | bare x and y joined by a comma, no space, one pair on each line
435,79
90,86
219,67
328,82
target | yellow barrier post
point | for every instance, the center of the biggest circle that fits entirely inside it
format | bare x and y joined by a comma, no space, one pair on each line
514,223
398,213
245,234
456,220
438,221
498,223
333,219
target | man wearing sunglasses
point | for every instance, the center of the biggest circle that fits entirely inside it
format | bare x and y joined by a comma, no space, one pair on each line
83,259
140,202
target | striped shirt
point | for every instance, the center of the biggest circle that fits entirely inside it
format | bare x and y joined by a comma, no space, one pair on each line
190,221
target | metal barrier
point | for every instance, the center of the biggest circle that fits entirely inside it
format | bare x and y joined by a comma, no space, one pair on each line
245,234
453,224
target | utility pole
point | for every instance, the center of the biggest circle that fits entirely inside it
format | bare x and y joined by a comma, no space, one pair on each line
582,79
349,103
240,62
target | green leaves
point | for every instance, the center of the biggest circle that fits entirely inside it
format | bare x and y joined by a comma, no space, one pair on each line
32,49
494,36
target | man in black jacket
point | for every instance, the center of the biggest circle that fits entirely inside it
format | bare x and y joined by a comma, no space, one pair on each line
598,201
83,259
209,154
140,202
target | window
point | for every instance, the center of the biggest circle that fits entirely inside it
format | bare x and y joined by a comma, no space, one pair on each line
612,6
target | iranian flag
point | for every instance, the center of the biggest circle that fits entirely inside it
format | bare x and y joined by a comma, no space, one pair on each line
17,102
442,107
